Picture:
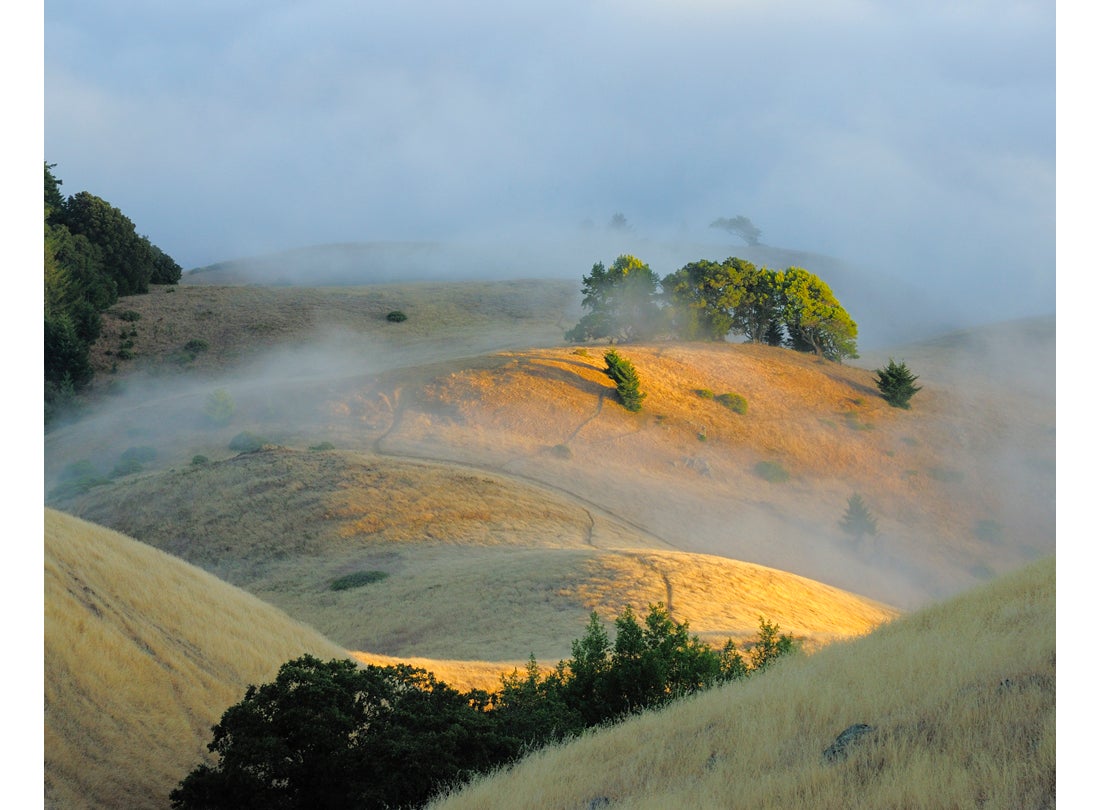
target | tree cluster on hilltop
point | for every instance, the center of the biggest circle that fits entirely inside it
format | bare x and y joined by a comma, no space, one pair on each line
707,300
335,735
93,255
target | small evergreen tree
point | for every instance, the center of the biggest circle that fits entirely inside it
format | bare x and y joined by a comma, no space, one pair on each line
895,382
626,380
857,519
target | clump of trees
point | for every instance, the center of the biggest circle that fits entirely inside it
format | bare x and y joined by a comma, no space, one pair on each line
707,300
93,255
896,384
335,734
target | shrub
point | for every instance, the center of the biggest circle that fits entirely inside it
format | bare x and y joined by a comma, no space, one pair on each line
857,520
626,380
124,354
196,346
199,460
140,454
357,580
772,471
77,478
735,402
705,393
219,407
396,316
129,315
245,442
895,382
323,446
561,451
133,460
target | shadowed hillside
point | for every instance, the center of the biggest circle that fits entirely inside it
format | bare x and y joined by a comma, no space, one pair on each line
142,655
959,700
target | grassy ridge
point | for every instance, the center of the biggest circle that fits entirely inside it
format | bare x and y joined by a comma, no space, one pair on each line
961,697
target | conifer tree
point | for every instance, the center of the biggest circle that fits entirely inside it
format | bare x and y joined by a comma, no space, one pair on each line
857,519
895,382
626,380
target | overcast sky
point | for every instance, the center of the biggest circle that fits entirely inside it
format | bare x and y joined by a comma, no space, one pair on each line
916,138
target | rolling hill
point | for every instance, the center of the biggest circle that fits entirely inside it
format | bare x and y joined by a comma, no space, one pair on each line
483,477
953,706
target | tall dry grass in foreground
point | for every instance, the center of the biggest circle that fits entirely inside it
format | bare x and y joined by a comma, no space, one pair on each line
143,653
961,697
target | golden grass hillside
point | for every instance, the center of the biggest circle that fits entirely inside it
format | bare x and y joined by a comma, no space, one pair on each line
143,653
476,565
962,485
960,698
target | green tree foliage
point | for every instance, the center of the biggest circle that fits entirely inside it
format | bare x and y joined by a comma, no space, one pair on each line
741,226
621,302
857,520
335,735
92,256
703,298
128,256
896,383
627,384
814,318
328,735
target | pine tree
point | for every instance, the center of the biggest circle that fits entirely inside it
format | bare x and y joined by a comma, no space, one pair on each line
626,380
857,519
896,384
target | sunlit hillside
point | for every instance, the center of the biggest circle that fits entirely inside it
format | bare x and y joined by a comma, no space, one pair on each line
958,700
470,565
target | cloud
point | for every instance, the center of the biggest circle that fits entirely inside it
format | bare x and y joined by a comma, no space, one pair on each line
919,138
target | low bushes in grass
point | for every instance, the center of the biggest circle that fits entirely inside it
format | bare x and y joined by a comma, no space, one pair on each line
396,316
247,442
133,460
772,471
357,579
735,402
79,477
322,447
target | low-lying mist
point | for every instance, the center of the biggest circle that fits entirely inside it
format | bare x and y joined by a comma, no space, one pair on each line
977,500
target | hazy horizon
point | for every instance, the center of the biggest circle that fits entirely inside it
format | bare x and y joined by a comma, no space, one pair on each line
916,143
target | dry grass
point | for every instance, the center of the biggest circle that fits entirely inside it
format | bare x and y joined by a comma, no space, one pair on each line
507,494
479,566
142,655
961,697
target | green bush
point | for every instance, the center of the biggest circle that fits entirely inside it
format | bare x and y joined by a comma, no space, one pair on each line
124,354
626,380
199,459
79,477
735,402
357,580
895,382
196,346
396,316
133,460
772,471
322,447
705,393
246,442
129,315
